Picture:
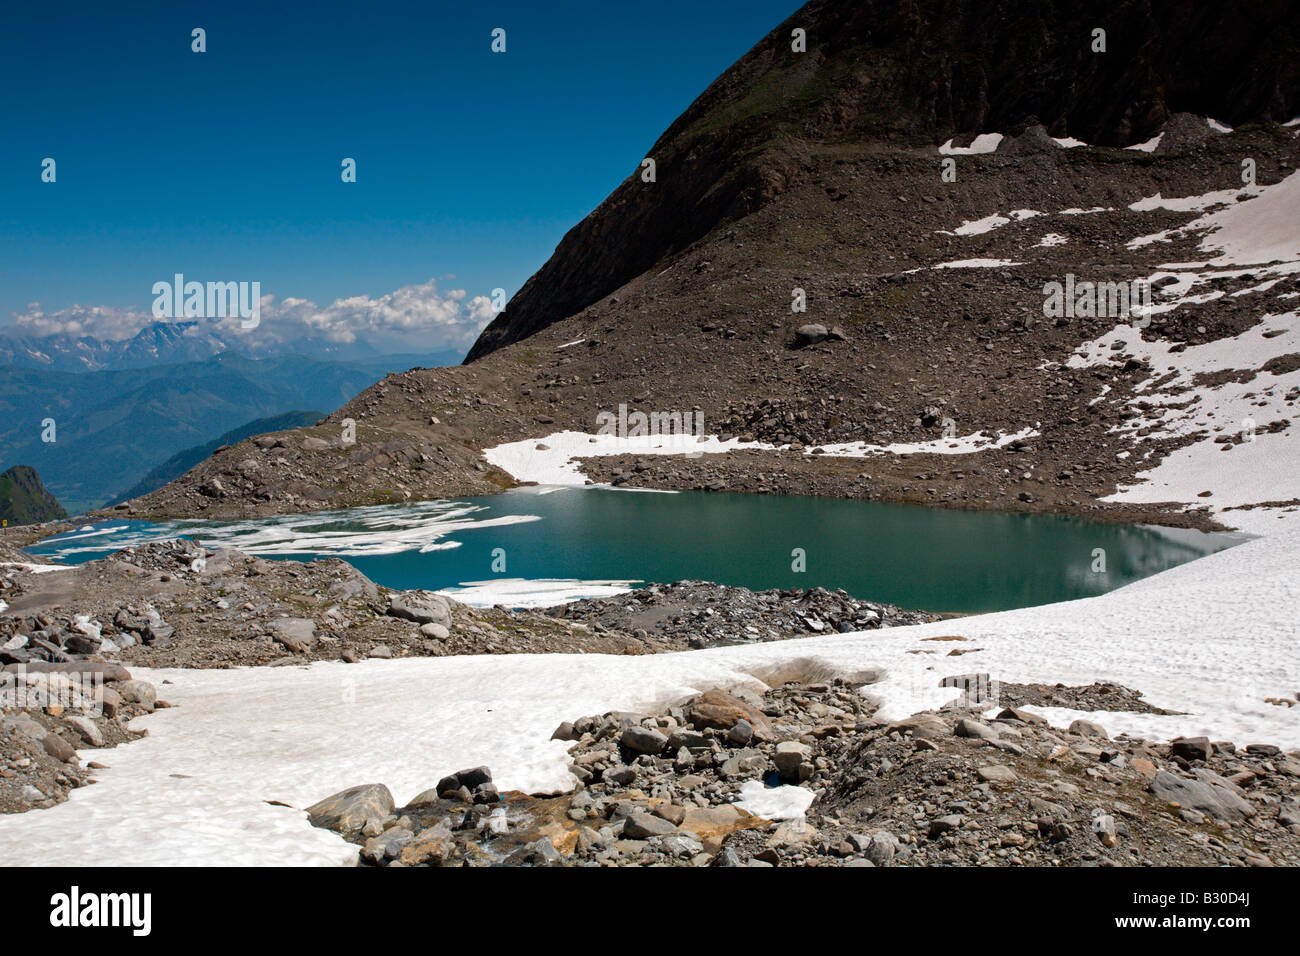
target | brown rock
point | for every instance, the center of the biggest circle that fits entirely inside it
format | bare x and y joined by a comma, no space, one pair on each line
59,749
1144,767
713,824
720,710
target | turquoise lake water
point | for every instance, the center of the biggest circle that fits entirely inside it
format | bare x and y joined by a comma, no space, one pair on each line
935,559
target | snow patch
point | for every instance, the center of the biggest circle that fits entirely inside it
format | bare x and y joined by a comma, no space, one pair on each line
1150,145
534,592
984,143
195,789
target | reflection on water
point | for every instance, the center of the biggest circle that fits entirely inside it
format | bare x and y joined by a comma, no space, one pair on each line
916,557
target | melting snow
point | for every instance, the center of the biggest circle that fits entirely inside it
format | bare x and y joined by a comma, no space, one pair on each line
984,143
195,790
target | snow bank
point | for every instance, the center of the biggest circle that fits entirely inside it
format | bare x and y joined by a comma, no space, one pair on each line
965,445
983,143
1150,145
549,460
1214,638
976,264
534,592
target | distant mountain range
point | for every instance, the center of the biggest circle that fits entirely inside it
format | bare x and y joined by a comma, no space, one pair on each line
183,461
112,427
24,500
171,343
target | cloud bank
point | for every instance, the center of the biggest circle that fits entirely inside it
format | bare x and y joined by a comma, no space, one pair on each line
415,315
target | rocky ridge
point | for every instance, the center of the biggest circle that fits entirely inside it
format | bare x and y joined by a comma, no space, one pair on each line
175,603
679,788
50,712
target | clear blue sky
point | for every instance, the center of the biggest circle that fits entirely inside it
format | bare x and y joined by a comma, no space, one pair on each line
225,165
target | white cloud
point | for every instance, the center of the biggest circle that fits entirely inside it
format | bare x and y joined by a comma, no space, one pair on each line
101,322
420,314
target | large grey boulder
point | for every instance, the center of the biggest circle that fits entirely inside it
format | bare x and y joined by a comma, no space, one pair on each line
298,634
810,334
139,692
642,740
422,607
349,809
1208,793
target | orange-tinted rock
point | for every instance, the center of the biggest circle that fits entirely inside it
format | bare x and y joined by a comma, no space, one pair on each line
722,711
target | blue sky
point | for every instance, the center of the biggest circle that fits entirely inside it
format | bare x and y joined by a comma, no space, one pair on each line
225,165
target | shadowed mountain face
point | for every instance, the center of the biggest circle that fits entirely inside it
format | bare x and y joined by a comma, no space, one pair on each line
912,73
24,500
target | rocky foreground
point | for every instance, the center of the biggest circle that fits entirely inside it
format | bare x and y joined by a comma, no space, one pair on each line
48,712
687,786
178,604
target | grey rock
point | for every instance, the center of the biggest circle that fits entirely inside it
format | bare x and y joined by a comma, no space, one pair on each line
639,825
810,334
349,809
423,607
25,726
138,692
470,779
298,634
881,848
966,727
538,853
793,760
1086,728
642,740
387,846
1191,748
1209,794
997,773
741,732
86,727
946,824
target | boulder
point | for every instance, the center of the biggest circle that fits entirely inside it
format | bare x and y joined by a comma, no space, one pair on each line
722,711
997,773
793,760
966,727
810,334
1191,748
1086,728
349,809
138,692
297,634
58,748
641,740
470,779
86,727
639,825
1208,793
387,846
422,607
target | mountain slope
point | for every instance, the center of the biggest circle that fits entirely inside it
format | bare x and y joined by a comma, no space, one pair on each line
913,74
112,427
24,500
183,461
776,184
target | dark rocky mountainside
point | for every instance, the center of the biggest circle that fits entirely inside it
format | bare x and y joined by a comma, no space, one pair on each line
24,500
819,172
914,74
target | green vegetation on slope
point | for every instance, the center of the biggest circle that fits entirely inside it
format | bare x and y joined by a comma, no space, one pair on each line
24,500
